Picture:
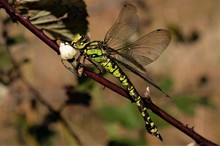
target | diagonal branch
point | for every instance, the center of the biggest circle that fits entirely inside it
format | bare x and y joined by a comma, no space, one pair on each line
158,111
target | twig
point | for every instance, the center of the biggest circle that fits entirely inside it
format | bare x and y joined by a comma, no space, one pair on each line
161,113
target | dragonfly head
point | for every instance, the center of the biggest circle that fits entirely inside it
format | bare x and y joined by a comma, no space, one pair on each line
80,41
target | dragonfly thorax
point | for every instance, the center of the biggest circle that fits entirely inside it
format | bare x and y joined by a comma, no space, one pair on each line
95,51
80,41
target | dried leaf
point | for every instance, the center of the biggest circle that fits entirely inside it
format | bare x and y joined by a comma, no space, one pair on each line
61,18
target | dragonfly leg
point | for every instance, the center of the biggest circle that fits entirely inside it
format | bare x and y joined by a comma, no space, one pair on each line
77,62
79,66
99,69
67,67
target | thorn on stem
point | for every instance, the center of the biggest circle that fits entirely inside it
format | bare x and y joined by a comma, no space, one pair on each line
147,92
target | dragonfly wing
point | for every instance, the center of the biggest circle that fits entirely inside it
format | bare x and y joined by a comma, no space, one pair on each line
148,48
127,59
123,28
140,74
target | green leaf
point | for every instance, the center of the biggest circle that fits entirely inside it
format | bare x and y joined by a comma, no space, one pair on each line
5,61
206,102
166,84
61,18
16,39
186,103
125,115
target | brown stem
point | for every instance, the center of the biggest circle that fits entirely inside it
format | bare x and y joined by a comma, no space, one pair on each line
161,113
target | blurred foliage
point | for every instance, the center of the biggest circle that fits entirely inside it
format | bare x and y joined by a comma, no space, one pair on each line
16,39
5,61
187,103
41,132
76,97
126,115
34,104
181,37
61,18
203,80
51,117
166,84
85,83
124,141
8,70
10,40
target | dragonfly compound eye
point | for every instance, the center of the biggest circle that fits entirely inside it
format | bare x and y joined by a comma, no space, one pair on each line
82,42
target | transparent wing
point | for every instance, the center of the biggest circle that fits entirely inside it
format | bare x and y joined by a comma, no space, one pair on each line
123,28
141,74
144,50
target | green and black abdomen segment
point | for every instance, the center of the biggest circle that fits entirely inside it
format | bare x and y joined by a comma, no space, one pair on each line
112,67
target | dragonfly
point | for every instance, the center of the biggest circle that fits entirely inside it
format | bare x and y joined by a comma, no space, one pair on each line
116,51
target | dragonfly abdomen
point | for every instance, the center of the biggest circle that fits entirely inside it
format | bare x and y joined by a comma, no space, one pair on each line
112,67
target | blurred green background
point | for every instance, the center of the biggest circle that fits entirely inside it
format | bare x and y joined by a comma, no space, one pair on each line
188,71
